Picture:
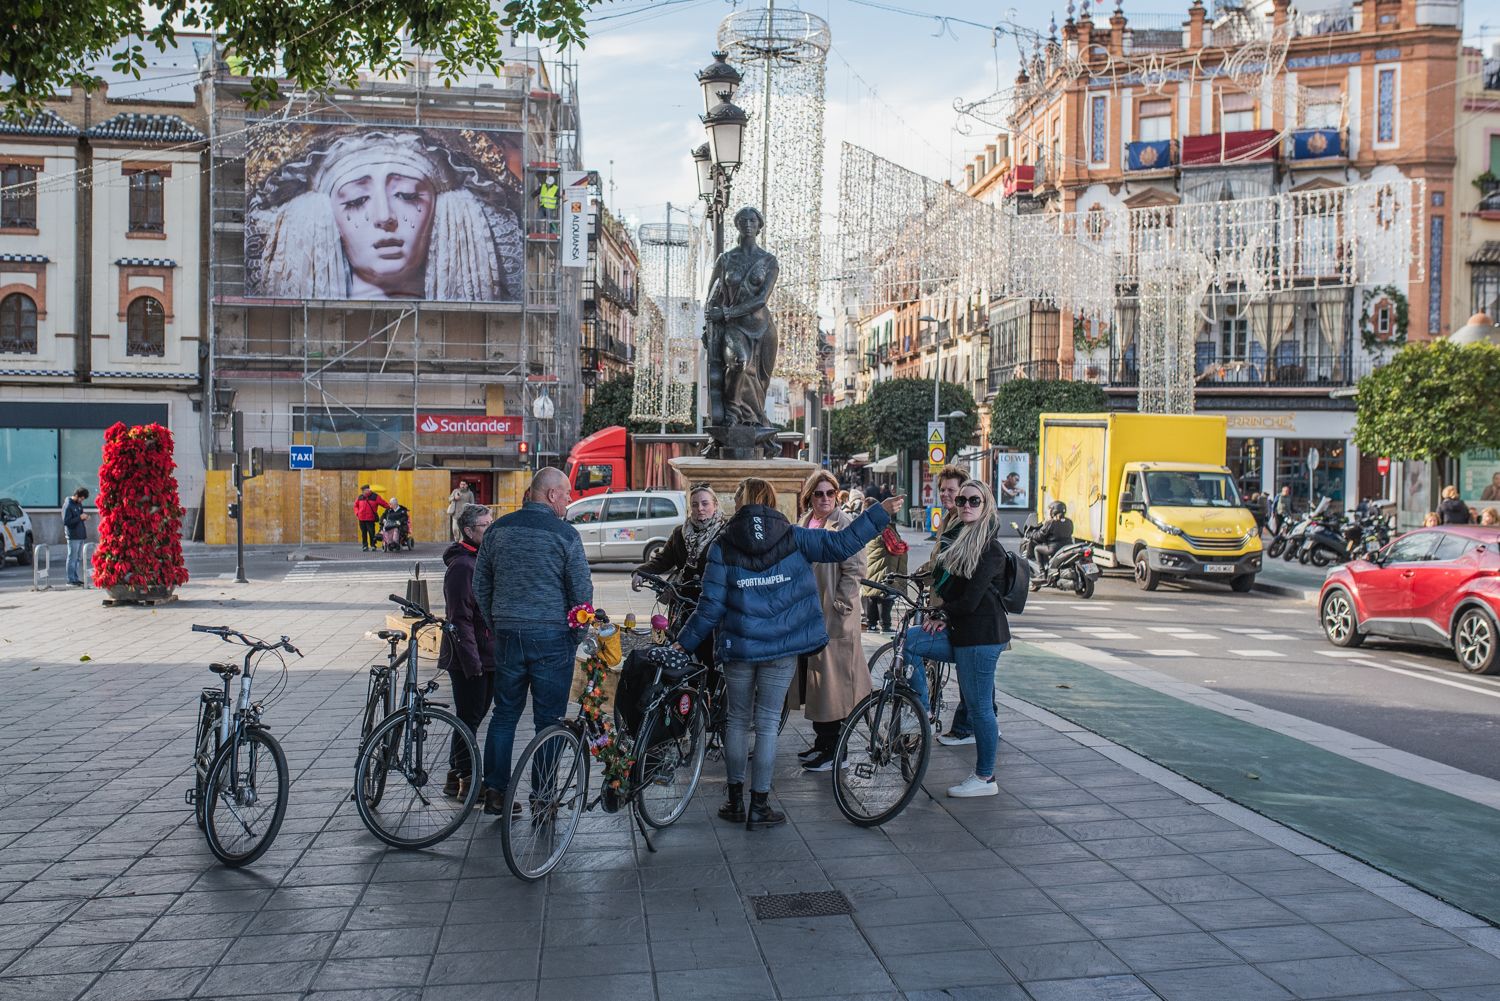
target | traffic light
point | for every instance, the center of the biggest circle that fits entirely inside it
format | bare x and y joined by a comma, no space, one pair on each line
234,511
523,447
257,462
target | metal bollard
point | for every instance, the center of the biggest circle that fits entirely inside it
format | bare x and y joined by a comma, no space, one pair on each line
86,564
41,567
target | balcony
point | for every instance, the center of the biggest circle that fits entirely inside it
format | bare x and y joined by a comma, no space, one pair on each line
1151,154
1020,180
610,290
1316,144
1287,368
1154,33
1000,374
1229,147
1340,21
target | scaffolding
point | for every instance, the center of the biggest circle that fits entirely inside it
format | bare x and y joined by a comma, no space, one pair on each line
352,376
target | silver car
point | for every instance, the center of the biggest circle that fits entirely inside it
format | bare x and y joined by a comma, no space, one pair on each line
627,527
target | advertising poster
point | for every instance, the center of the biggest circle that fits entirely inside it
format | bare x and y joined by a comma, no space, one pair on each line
574,249
1479,478
364,212
1013,479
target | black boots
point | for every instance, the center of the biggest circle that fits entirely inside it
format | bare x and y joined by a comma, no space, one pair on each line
452,788
761,814
733,809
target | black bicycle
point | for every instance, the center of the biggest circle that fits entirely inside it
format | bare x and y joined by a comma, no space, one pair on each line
404,760
240,783
883,747
548,793
938,671
380,701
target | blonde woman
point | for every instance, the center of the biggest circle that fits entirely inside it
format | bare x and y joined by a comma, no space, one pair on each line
969,629
1452,510
831,682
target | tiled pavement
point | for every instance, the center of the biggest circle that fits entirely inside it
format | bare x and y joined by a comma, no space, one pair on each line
1085,879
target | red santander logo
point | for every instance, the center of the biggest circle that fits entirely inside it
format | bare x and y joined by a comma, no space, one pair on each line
468,424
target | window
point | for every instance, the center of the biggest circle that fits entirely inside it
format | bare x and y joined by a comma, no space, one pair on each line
146,202
1156,121
1322,107
1385,104
17,324
586,512
1234,336
1099,129
145,327
1413,548
17,196
593,477
80,453
1486,288
623,509
661,507
28,466
1236,112
1451,546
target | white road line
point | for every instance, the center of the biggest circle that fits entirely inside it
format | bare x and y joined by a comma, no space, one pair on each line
1257,653
1170,629
1471,679
1342,654
1169,653
1243,629
1203,636
1424,676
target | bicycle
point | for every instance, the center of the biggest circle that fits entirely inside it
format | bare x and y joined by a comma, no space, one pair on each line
668,751
240,786
883,747
380,701
938,671
416,742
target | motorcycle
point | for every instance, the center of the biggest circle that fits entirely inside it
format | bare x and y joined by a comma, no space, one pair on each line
1071,568
1280,528
1297,535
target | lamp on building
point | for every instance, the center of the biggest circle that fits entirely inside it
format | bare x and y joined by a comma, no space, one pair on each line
718,78
1479,330
725,126
705,167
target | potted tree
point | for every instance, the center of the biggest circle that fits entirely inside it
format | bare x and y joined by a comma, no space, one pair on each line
139,558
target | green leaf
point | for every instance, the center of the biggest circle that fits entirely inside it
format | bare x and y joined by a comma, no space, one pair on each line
1431,401
1015,412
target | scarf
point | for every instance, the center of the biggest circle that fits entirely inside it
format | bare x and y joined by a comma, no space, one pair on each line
697,536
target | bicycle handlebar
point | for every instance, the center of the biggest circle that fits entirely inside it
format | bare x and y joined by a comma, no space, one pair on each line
877,585
229,635
662,586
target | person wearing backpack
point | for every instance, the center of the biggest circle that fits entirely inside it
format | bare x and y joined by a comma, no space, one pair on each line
969,629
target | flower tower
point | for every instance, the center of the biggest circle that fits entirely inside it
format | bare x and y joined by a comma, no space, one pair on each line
140,519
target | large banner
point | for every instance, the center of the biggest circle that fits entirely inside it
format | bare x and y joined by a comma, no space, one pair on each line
367,212
1479,478
1013,479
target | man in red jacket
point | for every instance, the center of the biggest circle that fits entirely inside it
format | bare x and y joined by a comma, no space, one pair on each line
367,507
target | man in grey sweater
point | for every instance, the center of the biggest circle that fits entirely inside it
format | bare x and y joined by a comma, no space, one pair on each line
530,571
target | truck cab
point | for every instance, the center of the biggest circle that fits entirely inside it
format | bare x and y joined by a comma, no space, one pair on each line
1185,520
596,465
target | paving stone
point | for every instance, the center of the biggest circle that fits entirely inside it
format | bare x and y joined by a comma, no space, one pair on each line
1392,935
1264,945
1121,922
933,970
1338,976
1446,968
1222,983
1171,952
1060,960
1119,988
738,983
146,985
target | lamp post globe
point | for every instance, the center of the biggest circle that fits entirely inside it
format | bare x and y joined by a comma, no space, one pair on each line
704,163
718,77
725,126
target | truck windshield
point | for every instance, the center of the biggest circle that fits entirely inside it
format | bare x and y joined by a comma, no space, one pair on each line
1186,489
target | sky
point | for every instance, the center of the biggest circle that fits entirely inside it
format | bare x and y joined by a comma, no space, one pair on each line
895,69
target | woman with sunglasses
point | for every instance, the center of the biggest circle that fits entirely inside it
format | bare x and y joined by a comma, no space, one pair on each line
830,683
969,629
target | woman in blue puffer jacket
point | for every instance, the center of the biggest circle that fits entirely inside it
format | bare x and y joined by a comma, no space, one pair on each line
760,595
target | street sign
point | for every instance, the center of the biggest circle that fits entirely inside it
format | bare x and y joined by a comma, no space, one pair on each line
937,445
1383,465
300,457
1313,458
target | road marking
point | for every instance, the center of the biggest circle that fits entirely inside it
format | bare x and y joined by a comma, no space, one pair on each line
1431,669
1035,634
1202,636
1243,629
1169,653
1170,629
1342,654
1257,653
1424,676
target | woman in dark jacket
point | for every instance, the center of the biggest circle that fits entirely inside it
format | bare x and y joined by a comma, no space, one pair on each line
686,552
1452,511
760,596
969,629
469,654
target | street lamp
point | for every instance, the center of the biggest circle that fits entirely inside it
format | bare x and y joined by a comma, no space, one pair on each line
706,173
937,367
716,161
725,125
718,77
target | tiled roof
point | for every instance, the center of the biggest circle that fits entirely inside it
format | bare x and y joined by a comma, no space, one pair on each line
24,259
145,128
147,262
43,123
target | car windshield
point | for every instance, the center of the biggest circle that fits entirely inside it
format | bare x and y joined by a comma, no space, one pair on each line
1178,488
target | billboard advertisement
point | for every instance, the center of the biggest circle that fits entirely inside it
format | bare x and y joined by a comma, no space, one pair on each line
574,251
1479,478
363,212
1013,479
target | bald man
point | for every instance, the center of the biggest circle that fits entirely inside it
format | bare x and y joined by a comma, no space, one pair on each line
530,571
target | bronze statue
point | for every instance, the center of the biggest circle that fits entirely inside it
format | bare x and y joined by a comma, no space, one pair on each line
740,338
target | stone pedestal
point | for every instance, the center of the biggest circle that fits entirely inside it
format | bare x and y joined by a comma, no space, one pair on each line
724,475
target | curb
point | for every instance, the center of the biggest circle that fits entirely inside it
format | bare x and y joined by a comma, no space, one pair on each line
1286,591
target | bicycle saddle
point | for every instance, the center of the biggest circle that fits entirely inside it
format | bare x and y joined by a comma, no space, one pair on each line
391,634
225,670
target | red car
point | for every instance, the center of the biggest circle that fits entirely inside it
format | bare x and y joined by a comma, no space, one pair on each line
1433,585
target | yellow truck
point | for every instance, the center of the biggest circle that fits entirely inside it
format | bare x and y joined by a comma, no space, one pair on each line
1152,493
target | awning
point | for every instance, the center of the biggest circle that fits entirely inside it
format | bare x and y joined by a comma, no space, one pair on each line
886,465
1488,253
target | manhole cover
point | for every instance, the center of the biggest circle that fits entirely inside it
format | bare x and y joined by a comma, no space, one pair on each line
801,905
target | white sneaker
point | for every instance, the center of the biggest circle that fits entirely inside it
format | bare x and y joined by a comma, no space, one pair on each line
949,740
973,787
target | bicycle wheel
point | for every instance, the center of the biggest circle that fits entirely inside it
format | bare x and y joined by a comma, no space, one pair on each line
881,662
204,752
550,786
881,756
668,767
413,748
246,798
378,704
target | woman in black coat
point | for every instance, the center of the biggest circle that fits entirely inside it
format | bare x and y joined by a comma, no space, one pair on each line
1452,510
469,654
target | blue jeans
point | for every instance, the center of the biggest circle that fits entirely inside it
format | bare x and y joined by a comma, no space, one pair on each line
960,726
540,662
976,680
759,687
75,560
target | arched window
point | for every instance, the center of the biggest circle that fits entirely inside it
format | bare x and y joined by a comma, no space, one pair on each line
145,327
17,324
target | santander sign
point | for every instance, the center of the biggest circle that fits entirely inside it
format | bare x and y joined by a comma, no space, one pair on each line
467,424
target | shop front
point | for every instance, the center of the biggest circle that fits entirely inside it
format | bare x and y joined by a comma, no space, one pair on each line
1310,451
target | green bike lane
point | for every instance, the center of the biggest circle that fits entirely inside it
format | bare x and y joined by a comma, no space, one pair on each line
1434,840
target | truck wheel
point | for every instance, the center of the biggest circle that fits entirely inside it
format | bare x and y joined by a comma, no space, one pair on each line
1145,577
1243,583
651,551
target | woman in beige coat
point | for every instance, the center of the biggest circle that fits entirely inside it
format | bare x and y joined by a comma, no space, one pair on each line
830,683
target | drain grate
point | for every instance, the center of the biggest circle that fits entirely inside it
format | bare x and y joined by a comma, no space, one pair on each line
821,904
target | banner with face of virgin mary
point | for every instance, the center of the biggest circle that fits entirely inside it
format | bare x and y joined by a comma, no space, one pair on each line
343,212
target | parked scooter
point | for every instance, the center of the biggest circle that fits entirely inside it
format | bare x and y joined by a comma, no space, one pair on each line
1071,568
1297,535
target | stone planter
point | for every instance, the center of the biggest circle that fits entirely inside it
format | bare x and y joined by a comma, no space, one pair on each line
124,594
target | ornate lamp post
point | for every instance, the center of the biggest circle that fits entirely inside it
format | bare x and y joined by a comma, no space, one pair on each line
718,159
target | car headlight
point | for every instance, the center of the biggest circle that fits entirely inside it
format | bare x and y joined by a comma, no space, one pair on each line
1169,529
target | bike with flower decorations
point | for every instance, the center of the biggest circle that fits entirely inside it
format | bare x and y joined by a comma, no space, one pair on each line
650,768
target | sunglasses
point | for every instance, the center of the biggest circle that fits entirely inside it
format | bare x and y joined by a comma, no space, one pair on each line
963,500
825,493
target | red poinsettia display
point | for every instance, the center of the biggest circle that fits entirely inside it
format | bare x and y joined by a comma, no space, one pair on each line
140,519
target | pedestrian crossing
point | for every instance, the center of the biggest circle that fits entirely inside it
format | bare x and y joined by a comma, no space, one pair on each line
350,573
1235,641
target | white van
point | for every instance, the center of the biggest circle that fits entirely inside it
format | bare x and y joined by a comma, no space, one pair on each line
627,527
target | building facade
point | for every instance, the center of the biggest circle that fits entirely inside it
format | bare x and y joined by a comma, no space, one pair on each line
610,303
102,274
1476,188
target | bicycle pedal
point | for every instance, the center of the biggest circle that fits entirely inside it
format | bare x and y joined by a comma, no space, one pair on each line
190,797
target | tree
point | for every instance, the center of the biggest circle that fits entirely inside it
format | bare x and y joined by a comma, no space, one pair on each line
140,518
849,430
316,44
1016,412
898,410
1431,401
612,403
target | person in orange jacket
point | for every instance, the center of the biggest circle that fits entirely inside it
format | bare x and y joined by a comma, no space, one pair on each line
367,507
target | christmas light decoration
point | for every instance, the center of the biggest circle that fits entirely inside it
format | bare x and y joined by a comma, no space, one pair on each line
668,332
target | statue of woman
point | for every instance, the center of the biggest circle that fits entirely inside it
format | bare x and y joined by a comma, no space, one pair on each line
740,335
